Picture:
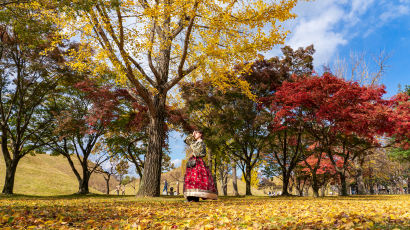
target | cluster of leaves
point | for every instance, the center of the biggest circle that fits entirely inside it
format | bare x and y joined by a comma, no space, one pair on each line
361,212
335,116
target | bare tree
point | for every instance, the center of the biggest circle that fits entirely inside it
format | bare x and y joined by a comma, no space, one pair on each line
359,68
368,73
108,173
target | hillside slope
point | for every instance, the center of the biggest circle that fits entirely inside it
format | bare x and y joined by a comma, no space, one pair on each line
46,175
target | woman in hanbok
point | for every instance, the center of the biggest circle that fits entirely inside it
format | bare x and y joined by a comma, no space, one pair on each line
198,181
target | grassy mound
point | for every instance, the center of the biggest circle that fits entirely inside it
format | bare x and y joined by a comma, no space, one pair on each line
46,175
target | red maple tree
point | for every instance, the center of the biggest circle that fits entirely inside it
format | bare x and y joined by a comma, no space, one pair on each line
342,117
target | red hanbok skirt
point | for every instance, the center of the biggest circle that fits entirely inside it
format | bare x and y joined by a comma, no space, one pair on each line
198,181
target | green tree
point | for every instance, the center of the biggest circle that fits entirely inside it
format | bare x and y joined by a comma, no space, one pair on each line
78,127
27,80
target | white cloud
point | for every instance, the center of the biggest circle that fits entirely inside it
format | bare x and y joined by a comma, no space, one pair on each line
360,6
331,24
393,12
176,162
319,30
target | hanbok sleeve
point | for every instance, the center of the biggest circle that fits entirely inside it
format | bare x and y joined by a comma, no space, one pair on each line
198,148
189,139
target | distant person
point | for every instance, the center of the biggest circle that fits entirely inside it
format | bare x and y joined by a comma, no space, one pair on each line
198,181
165,190
122,190
117,190
171,191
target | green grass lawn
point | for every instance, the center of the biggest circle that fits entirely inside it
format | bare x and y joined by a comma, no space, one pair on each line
255,212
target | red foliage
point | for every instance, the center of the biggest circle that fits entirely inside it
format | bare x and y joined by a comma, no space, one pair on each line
401,118
343,106
325,166
106,101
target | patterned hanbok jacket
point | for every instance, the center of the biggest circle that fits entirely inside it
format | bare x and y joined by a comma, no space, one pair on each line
198,146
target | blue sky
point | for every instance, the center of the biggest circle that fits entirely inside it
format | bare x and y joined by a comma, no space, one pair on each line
338,28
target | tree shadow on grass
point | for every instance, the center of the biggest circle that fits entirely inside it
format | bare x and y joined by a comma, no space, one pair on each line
67,196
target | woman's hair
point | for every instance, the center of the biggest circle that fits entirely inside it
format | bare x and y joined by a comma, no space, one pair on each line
200,131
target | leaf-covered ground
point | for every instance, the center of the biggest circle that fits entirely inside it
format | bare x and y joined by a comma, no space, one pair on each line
72,212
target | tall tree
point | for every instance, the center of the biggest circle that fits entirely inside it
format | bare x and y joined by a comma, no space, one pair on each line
285,149
343,117
79,123
177,39
287,139
27,80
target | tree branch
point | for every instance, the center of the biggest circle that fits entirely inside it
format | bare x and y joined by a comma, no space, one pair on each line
151,64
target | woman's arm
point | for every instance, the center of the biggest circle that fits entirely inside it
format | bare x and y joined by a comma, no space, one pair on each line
198,149
189,139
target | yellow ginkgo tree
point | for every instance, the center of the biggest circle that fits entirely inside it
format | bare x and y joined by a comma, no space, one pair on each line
153,45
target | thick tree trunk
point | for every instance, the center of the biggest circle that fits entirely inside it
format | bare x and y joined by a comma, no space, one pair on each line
11,167
361,190
223,175
315,186
343,185
371,189
234,181
107,181
150,183
83,183
11,164
248,177
285,184
225,186
323,190
300,192
315,191
300,186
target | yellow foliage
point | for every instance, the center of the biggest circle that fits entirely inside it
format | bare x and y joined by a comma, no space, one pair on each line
112,212
197,38
254,177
